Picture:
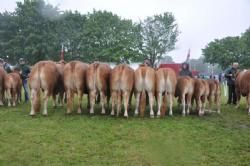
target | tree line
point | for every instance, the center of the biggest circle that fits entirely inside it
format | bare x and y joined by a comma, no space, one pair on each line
227,50
36,31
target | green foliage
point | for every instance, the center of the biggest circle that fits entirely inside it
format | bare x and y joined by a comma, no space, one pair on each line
36,30
107,37
228,50
159,35
31,33
246,48
69,29
8,35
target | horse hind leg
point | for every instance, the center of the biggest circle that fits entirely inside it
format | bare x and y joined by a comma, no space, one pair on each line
126,102
45,100
35,101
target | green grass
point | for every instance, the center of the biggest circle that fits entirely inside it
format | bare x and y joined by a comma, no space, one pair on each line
103,140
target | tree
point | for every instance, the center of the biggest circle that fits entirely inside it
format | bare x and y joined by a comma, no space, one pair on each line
36,30
36,34
245,62
159,34
29,32
198,64
107,37
8,35
69,27
167,59
224,51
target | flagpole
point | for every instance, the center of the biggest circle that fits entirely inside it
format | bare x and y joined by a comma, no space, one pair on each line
188,56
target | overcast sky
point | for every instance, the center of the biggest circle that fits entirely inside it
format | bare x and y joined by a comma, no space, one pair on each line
200,21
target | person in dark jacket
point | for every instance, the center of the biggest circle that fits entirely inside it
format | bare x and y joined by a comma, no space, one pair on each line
6,66
1,62
185,70
24,71
220,77
230,75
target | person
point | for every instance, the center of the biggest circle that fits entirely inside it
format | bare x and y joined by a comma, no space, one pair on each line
24,71
147,62
6,66
230,75
185,70
220,77
1,62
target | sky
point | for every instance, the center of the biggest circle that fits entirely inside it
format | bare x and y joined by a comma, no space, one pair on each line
199,21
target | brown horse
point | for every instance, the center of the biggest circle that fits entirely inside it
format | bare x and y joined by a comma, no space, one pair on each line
97,78
242,87
2,76
74,75
144,82
214,94
121,86
12,86
165,85
184,91
43,76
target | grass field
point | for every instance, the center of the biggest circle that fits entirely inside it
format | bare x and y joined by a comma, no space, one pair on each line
103,140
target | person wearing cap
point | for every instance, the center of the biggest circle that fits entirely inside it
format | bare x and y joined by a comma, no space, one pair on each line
185,70
24,71
230,75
